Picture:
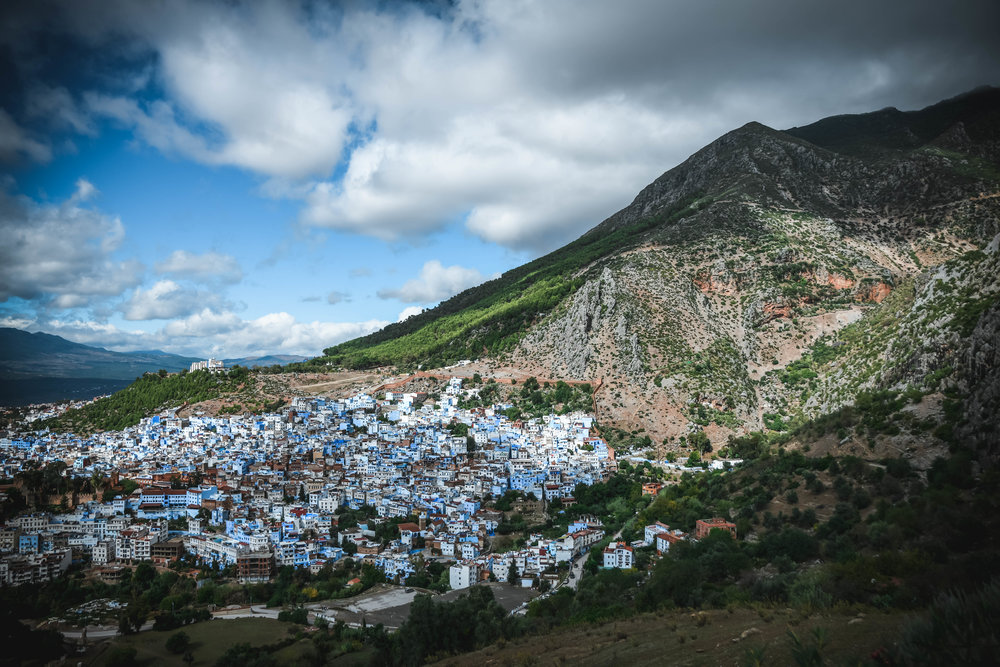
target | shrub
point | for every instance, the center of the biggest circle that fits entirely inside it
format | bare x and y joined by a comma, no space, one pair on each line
959,629
178,642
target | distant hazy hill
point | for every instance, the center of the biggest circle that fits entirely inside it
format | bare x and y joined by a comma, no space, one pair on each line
40,367
268,360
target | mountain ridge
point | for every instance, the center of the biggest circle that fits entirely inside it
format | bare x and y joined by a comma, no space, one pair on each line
727,270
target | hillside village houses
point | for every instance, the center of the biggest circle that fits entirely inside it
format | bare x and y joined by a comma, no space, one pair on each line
264,489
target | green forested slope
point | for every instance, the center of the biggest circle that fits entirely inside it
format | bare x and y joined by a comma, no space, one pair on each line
149,393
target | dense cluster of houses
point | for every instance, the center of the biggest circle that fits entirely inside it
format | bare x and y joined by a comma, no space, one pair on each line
535,562
262,491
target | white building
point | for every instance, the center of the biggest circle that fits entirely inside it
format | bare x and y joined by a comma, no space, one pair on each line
462,575
620,555
212,366
104,553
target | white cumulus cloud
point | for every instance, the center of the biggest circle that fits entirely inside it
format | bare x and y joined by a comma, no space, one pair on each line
527,121
165,300
409,312
208,332
62,253
435,283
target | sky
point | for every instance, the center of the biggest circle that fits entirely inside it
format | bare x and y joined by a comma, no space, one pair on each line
244,178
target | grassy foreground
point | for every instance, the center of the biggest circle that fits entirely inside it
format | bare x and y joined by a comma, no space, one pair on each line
712,637
209,640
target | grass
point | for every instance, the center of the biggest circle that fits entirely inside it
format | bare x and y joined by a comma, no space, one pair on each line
209,640
683,637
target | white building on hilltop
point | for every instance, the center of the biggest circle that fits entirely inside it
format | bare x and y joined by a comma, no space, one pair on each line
212,366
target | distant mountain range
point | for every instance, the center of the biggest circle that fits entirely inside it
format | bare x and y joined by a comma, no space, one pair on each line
40,367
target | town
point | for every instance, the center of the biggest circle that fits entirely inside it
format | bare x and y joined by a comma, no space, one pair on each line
259,492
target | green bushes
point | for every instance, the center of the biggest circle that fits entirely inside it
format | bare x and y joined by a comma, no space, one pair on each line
145,396
439,629
960,629
178,642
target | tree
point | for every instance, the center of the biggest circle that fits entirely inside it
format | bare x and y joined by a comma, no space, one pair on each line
178,643
121,656
700,442
14,504
512,574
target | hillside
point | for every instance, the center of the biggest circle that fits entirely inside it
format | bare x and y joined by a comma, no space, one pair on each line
739,291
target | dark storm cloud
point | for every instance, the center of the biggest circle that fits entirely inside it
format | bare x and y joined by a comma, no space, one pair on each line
906,53
529,120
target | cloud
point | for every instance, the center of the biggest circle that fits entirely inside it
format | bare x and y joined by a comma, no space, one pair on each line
435,283
154,122
335,297
99,334
209,333
166,300
17,143
226,335
409,312
56,107
529,122
85,191
62,253
206,266
204,324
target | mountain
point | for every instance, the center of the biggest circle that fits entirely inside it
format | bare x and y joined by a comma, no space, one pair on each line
40,367
267,360
772,278
32,355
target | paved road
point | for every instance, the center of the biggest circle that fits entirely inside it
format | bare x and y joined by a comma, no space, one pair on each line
100,631
390,606
577,568
255,611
